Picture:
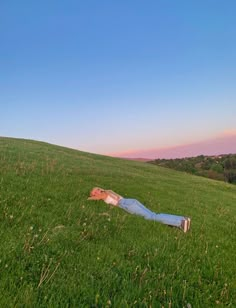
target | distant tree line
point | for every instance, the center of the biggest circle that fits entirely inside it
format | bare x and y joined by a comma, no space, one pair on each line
220,167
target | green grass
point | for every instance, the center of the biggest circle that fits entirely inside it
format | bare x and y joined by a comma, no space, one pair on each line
60,250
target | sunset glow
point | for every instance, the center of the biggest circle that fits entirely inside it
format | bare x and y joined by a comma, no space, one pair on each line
224,144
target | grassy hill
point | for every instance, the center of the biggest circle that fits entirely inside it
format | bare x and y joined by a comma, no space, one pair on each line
60,250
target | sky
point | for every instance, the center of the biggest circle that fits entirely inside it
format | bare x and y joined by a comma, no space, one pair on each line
124,78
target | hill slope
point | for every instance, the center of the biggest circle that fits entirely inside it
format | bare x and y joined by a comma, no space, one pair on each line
60,250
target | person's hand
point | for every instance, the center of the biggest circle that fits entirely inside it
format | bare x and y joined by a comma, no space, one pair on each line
95,198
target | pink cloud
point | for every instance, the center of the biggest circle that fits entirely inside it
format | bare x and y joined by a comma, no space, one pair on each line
223,144
229,132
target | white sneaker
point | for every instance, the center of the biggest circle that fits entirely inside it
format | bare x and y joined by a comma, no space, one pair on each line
185,224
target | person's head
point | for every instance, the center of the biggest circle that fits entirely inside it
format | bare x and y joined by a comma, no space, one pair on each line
96,191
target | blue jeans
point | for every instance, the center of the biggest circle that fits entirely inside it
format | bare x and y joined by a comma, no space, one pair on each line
133,206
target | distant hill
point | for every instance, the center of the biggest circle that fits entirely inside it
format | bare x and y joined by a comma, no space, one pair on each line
137,159
218,167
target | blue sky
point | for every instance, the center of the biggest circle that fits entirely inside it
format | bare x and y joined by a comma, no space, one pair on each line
117,76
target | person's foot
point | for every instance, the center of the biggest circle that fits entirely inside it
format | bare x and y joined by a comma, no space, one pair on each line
185,224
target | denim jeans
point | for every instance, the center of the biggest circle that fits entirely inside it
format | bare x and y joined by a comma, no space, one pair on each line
133,206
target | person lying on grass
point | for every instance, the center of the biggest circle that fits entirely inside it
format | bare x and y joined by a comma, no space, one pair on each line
133,206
